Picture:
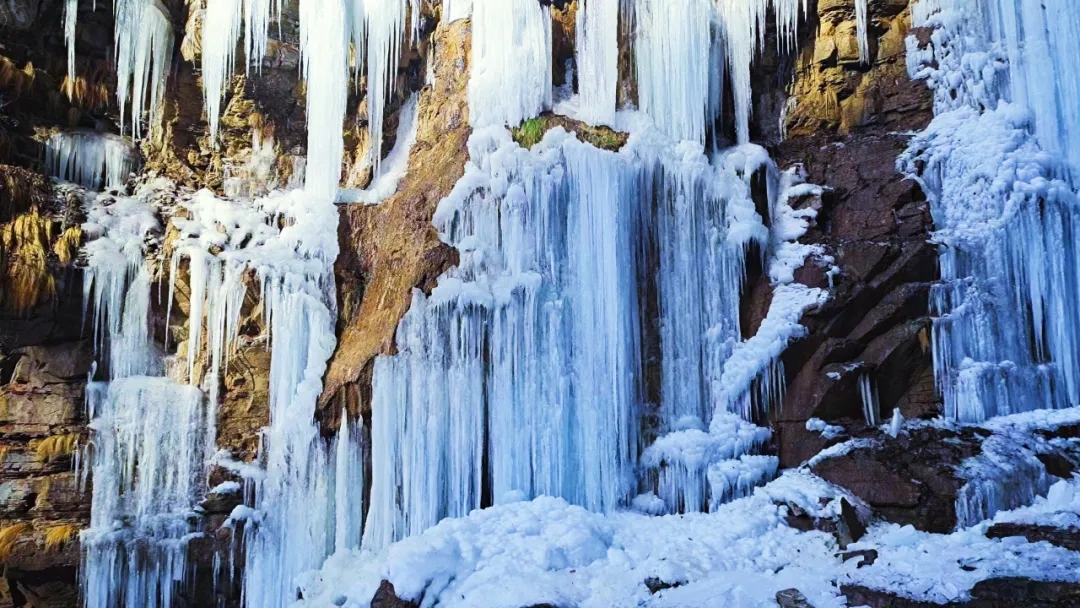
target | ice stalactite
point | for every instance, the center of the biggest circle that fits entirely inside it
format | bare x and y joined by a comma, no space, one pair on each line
597,54
869,395
71,17
292,527
510,74
220,33
994,164
384,31
681,50
743,24
144,49
523,362
672,45
143,39
348,484
861,29
91,159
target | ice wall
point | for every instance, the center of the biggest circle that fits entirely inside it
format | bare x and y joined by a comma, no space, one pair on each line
524,359
996,166
150,435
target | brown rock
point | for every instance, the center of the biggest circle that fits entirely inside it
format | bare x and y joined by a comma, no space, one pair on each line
385,597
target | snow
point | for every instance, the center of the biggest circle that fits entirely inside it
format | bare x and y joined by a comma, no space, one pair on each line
827,430
548,551
226,487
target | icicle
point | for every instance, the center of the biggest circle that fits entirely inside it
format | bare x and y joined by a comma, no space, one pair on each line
868,394
597,53
220,33
385,29
861,11
71,17
348,485
672,47
91,159
510,79
144,46
323,40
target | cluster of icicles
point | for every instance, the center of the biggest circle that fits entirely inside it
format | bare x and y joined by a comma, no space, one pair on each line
520,375
998,165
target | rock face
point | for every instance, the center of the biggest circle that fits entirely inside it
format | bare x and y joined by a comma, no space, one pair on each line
845,128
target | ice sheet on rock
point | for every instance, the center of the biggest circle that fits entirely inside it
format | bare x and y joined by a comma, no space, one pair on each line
149,451
510,71
91,159
535,329
1008,472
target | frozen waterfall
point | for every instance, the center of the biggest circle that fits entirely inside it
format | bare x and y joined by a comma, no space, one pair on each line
998,166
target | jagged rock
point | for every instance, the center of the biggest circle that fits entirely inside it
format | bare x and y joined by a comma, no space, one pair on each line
385,597
866,557
1062,537
390,249
792,598
909,480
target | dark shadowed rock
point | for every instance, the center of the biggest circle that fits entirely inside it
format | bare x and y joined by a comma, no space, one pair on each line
792,598
385,597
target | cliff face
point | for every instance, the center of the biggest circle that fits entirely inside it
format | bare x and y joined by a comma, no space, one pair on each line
843,120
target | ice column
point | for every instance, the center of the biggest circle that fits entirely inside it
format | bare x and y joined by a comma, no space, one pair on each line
597,55
510,79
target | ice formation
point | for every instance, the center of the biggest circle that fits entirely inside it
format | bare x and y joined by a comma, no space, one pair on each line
91,159
861,29
374,30
143,39
997,165
683,48
510,74
597,53
144,44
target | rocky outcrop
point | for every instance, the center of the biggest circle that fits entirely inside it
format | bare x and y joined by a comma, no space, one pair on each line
390,249
845,125
990,593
